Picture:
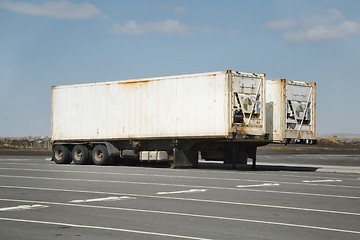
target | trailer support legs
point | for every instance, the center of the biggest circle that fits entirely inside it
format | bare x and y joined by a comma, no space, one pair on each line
185,159
251,152
239,154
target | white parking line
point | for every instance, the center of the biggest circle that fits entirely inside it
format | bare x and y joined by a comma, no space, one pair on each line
183,185
259,185
321,180
192,171
186,215
180,199
102,228
22,207
19,159
184,191
174,176
103,199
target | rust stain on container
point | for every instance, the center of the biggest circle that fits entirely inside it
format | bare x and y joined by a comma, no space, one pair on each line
135,82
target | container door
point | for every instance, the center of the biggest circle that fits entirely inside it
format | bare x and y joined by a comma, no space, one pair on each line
248,102
300,115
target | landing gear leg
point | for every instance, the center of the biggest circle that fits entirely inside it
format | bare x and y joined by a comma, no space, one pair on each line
185,158
251,152
235,154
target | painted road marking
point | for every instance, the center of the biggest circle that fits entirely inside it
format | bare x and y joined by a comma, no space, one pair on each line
22,207
187,215
184,185
103,228
169,176
103,199
184,191
259,185
48,159
322,180
20,159
167,197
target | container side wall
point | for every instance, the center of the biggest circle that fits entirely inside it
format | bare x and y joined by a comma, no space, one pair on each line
188,106
275,110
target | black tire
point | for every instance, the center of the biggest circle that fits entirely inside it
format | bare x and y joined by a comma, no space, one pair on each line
100,155
61,155
80,155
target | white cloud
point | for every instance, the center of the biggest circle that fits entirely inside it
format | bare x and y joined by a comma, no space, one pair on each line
163,27
62,9
206,30
332,16
319,33
280,24
328,26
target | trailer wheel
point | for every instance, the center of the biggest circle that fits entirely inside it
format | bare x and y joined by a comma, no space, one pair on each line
80,155
61,155
100,155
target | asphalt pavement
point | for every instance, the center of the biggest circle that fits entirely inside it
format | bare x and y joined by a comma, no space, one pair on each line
287,197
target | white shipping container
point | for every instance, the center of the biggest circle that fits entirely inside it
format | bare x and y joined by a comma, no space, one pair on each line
291,110
206,105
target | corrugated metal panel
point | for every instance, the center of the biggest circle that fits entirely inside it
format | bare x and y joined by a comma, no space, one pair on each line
183,106
291,110
179,106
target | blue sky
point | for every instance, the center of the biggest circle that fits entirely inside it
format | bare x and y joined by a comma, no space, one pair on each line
46,43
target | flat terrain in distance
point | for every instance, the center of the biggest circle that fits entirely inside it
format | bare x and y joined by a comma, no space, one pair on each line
290,196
